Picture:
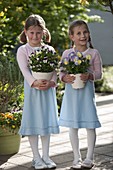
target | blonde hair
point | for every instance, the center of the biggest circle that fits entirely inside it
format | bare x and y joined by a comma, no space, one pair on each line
35,20
76,23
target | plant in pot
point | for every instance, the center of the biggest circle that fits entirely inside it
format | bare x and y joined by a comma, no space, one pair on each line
76,64
43,62
10,104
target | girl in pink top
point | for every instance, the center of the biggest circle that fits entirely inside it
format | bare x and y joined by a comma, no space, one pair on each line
78,109
40,107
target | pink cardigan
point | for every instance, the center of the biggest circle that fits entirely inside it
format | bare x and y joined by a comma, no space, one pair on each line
23,53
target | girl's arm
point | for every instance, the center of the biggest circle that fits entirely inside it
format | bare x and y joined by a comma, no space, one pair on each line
53,81
23,65
95,70
97,66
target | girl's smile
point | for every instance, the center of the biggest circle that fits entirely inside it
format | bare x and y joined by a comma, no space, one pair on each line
80,36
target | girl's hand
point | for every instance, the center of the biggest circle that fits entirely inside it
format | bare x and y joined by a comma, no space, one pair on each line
84,77
68,78
43,84
38,83
47,84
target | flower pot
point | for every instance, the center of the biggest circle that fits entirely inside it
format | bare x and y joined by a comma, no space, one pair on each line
78,83
41,75
9,144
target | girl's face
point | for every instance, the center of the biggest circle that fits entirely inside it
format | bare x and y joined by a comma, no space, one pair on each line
34,35
80,36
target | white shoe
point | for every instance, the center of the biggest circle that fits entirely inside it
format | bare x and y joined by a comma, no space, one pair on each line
33,163
87,163
50,164
77,164
39,164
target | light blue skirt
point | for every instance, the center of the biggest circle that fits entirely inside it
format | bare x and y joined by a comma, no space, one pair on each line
40,115
78,109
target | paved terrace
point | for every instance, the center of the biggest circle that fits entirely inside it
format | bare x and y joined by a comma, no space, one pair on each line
60,147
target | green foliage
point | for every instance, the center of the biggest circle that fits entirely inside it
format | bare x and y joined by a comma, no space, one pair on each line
59,94
10,83
57,14
106,5
106,83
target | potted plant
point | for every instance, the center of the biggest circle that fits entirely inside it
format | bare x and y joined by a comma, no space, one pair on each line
76,64
9,126
10,104
43,62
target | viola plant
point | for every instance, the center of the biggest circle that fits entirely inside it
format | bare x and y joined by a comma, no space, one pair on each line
10,122
43,59
75,63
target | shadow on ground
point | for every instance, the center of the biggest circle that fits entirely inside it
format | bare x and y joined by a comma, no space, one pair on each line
103,160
